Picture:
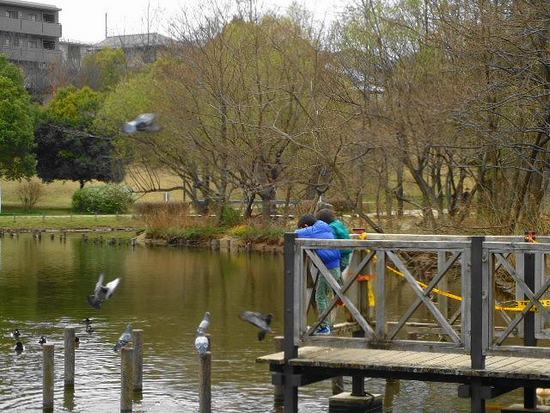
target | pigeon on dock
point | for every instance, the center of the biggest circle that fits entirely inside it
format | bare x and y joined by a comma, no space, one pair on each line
102,292
124,339
15,333
143,123
204,324
262,321
42,340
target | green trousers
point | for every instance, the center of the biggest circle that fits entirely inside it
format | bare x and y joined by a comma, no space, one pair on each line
324,293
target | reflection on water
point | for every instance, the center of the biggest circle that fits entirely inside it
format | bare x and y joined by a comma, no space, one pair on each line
43,287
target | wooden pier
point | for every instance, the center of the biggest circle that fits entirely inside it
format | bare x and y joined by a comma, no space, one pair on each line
487,347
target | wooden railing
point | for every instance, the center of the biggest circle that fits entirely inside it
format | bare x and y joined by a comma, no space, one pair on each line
461,296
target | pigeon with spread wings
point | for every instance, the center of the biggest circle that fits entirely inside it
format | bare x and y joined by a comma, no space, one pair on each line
102,292
262,321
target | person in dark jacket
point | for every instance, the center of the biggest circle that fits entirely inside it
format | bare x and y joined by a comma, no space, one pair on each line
340,231
310,227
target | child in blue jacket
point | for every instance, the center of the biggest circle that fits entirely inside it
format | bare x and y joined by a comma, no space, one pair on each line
310,227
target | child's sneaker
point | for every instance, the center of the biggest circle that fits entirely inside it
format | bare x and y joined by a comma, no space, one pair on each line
323,331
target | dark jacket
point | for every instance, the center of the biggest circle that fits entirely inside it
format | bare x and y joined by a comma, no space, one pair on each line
321,230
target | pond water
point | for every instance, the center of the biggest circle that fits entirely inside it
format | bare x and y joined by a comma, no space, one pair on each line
165,292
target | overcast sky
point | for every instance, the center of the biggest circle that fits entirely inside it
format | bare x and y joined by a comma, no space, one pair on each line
84,20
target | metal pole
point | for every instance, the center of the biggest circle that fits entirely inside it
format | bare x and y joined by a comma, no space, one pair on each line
69,357
137,340
476,295
126,376
47,377
205,385
529,339
290,349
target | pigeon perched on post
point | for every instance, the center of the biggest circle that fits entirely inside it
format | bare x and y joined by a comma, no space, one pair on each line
202,344
259,320
204,325
124,339
143,123
102,292
42,340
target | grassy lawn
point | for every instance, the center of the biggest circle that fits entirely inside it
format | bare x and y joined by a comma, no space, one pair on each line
68,222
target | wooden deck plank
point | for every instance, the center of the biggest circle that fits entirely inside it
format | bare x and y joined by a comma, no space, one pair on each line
451,364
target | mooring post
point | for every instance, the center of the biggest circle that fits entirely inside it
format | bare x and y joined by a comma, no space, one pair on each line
47,377
290,390
529,339
137,340
69,357
278,395
205,384
476,322
358,381
126,378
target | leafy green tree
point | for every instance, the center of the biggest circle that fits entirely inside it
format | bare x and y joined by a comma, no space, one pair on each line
16,124
104,69
67,145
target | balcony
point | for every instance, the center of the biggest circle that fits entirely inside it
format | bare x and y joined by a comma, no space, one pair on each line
30,27
31,55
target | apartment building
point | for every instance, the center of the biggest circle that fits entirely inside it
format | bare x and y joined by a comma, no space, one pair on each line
29,32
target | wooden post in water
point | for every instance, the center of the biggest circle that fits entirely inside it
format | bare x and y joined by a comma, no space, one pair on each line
278,395
205,390
47,377
137,339
69,357
126,378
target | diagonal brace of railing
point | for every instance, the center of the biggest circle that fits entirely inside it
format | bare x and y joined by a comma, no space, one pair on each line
340,293
426,292
420,293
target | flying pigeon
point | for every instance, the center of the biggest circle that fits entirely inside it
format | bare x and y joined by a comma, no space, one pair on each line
143,123
19,347
201,344
124,339
260,320
15,333
204,325
87,321
42,340
102,292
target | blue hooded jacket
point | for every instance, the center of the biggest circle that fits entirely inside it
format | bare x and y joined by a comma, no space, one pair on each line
321,230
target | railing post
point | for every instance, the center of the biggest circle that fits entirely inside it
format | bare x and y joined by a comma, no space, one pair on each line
529,339
476,322
290,349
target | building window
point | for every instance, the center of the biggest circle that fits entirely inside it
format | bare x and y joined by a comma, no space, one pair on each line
14,42
49,18
33,44
12,14
32,17
48,44
4,42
